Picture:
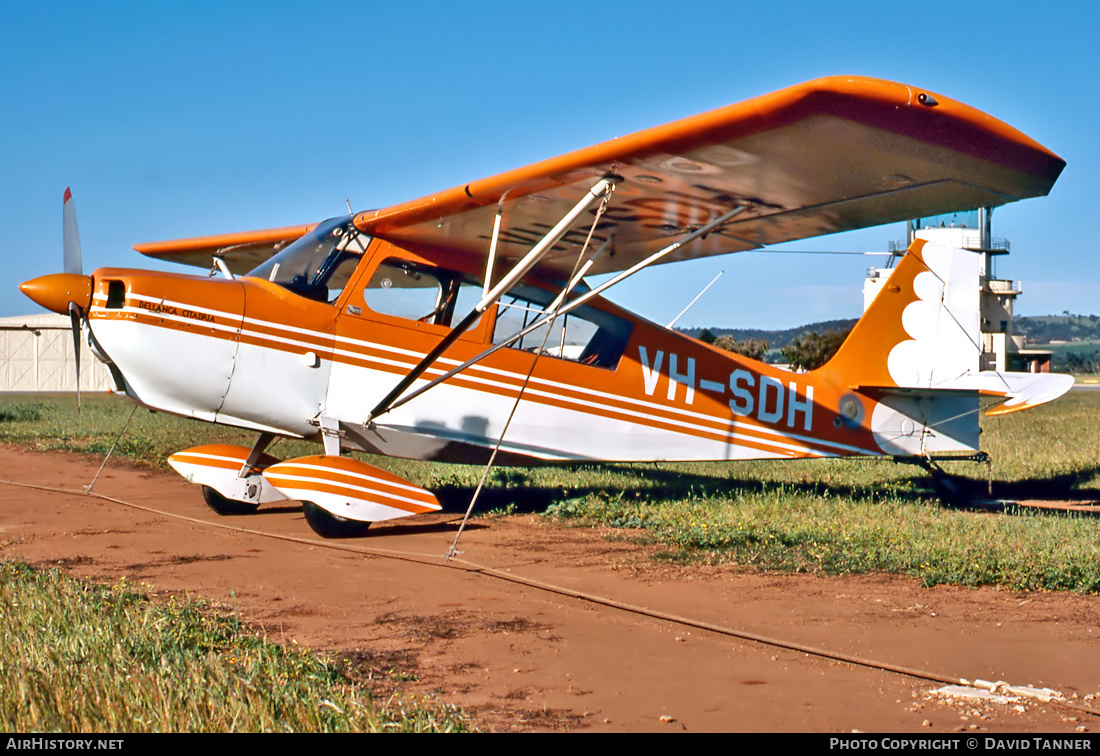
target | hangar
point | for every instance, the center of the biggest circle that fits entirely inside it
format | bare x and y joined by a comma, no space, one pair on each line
36,354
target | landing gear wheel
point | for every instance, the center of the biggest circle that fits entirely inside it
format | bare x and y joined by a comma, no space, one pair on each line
328,525
224,506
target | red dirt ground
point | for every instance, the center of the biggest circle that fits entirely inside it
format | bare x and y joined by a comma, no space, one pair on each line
519,657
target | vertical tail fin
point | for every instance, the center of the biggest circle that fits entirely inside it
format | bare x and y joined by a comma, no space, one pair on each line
923,329
917,351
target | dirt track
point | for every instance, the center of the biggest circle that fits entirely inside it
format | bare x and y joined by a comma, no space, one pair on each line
522,658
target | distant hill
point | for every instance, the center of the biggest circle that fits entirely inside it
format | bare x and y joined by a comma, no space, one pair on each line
1042,329
1072,337
1053,328
776,339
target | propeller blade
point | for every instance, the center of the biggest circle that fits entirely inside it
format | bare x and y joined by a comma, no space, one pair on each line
73,262
73,265
75,315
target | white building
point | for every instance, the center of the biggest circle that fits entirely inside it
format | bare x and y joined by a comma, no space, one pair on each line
36,354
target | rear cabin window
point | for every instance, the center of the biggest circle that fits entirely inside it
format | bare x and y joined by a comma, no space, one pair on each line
428,294
585,335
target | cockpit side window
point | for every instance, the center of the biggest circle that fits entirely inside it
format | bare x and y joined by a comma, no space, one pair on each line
425,293
404,290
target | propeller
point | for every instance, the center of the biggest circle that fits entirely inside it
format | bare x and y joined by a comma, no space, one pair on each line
73,266
68,293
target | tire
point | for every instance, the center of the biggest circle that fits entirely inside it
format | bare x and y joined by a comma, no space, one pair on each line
227,507
328,525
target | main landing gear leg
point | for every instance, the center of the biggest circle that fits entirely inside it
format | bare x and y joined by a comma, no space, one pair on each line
955,490
225,506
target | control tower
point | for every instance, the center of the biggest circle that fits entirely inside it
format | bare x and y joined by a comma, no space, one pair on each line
1002,348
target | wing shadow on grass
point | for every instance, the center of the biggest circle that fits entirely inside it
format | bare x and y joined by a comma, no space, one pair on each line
510,491
1061,487
654,485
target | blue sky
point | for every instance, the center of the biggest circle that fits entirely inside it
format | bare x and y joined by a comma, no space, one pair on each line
182,119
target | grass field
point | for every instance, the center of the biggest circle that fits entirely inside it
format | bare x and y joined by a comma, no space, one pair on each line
76,657
832,516
86,658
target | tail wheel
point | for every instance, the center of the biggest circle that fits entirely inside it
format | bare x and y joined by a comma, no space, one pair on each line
328,525
224,506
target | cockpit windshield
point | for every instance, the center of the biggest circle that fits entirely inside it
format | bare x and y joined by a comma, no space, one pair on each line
318,265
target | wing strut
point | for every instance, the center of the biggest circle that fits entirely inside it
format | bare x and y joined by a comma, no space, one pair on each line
562,309
697,296
602,187
579,269
491,262
523,267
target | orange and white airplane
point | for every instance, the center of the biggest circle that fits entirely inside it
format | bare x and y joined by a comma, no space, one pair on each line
449,326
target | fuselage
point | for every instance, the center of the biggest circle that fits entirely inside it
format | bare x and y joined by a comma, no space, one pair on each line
605,384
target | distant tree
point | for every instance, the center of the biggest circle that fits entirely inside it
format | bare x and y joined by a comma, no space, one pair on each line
812,350
752,348
707,336
1083,362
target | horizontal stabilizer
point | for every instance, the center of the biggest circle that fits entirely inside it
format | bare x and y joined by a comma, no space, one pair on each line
1022,390
349,488
219,465
914,420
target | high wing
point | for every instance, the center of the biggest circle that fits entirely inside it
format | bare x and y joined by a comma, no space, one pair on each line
830,155
241,251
